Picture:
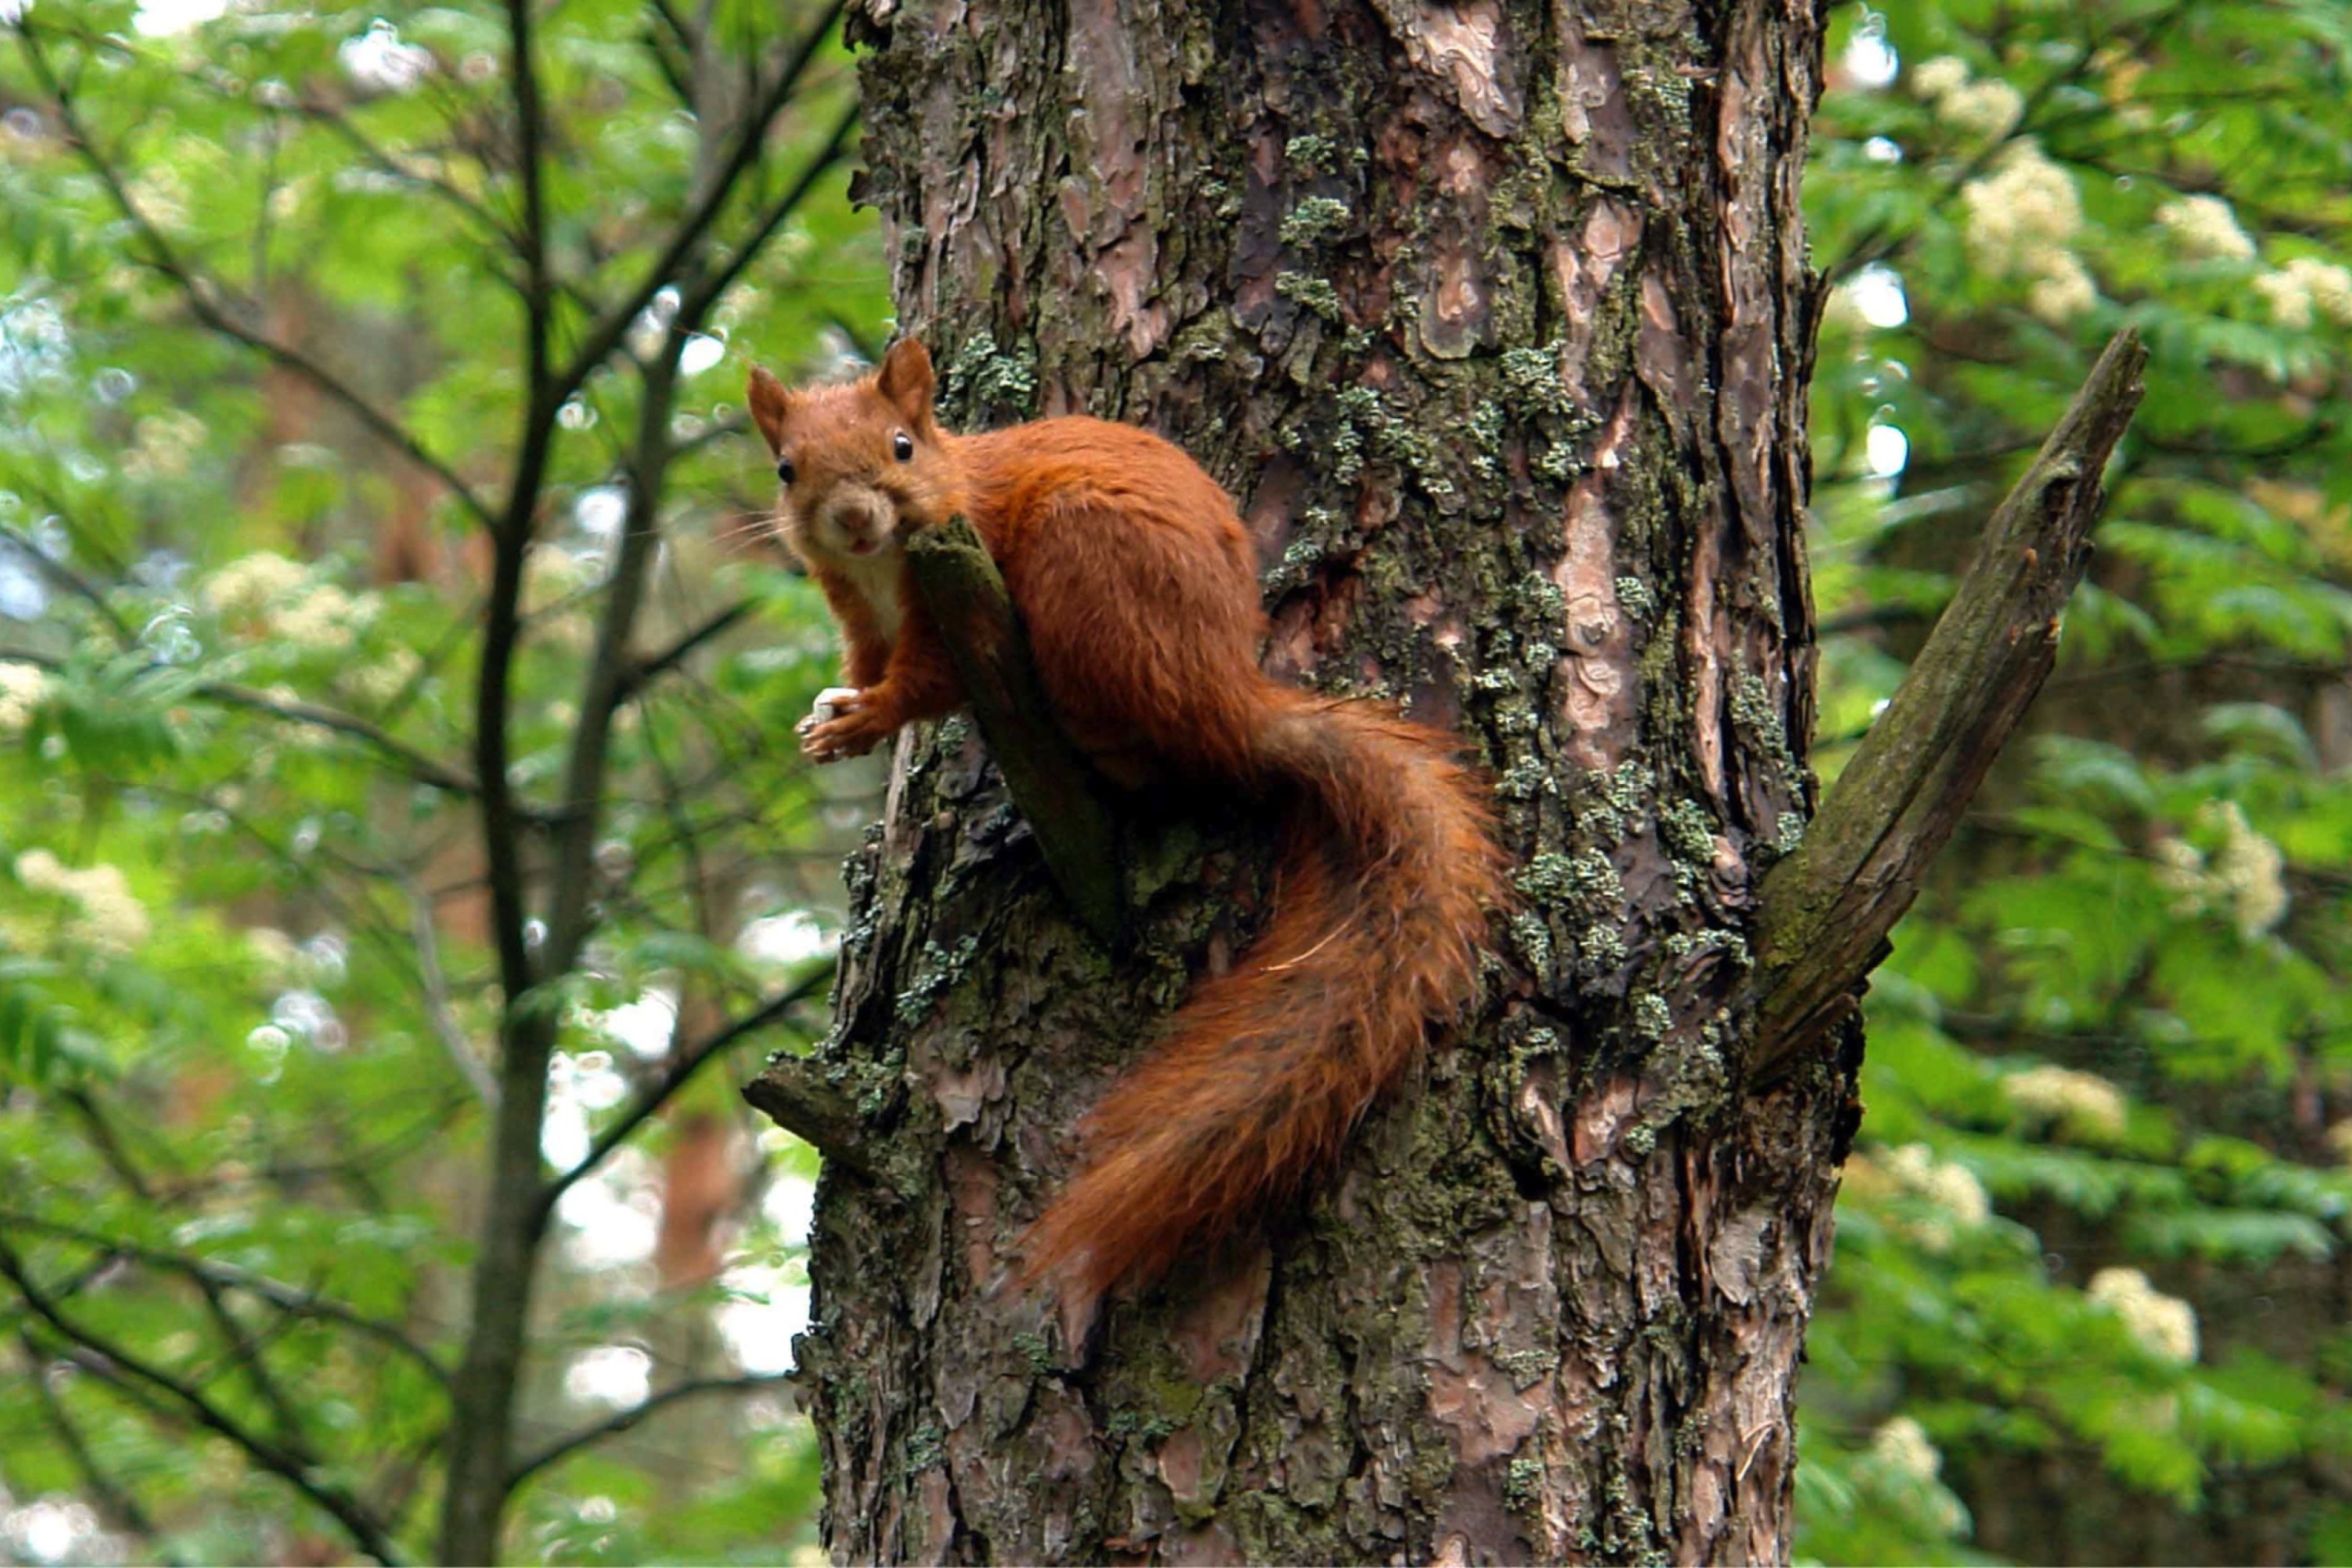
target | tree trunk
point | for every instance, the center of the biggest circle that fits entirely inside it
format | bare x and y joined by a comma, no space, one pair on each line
1498,322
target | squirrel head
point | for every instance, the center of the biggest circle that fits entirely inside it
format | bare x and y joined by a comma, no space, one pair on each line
862,464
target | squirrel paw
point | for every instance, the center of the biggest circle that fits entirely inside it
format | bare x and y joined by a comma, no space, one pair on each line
843,723
833,701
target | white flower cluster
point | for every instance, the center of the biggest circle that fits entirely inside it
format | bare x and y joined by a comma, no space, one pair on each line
162,444
287,603
110,916
1903,1446
1990,108
1952,1187
22,687
2164,1325
2019,220
2205,227
385,678
273,950
1951,1190
251,583
2306,288
2081,1103
2243,879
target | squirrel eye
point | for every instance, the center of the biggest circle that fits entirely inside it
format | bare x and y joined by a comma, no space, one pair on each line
785,469
904,445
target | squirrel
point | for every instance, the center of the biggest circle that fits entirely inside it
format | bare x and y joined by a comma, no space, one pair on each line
1138,587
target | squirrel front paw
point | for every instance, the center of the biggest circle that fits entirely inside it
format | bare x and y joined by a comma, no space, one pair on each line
845,722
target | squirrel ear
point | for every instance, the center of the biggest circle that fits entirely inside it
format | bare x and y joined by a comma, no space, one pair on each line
771,407
906,380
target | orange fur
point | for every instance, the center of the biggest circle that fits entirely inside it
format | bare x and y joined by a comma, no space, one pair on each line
1137,586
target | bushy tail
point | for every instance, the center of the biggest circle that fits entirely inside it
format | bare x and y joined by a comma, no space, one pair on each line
1389,868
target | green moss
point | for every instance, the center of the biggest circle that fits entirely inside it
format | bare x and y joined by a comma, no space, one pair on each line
1539,596
1635,596
1547,878
982,377
1311,153
1532,940
926,1448
1531,377
1523,1483
1314,220
1752,708
1524,780
1486,440
1651,1017
1688,831
1128,1425
939,970
1732,944
1035,1350
1517,718
1314,294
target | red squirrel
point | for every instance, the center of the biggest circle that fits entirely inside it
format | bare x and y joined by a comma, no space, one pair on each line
1138,591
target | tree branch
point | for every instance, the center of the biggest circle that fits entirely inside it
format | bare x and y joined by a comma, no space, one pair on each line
114,1499
1826,911
564,1447
245,1354
689,236
73,582
705,294
166,259
1057,788
366,1533
682,1067
637,677
287,1298
470,1066
414,763
423,769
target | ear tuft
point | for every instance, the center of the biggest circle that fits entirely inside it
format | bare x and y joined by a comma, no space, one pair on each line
771,407
906,380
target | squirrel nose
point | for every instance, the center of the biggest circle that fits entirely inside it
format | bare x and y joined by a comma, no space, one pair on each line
862,514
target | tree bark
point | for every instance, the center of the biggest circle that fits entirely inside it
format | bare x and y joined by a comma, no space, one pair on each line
1496,319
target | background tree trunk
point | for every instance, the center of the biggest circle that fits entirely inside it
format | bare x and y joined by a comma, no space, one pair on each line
1497,320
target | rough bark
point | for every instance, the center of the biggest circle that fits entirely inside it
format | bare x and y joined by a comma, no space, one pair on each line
1495,319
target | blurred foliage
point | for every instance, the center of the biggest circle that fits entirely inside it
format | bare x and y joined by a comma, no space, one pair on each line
2088,1296
246,994
2088,1302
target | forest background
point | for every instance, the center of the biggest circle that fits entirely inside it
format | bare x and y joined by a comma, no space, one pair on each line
283,336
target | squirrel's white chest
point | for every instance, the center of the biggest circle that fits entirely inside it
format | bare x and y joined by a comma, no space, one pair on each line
880,579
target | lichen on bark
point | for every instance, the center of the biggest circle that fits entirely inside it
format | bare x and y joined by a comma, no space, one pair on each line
1494,318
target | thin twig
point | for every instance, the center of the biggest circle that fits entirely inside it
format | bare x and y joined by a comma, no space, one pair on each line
365,1530
701,298
682,1067
423,769
165,259
290,1300
566,1447
686,240
470,1066
114,1499
646,671
73,582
